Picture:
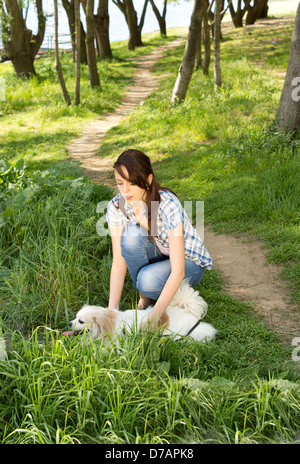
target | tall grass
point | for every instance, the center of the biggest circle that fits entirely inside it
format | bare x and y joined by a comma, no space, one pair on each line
64,390
49,248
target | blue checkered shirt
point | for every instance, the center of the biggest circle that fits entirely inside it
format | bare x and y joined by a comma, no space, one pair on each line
170,214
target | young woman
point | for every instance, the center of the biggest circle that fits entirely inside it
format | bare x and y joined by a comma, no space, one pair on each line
151,236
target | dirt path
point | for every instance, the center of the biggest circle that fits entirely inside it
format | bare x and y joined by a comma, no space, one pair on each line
85,147
242,262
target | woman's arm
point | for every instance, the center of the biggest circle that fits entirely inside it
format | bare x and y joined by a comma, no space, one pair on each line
177,258
118,269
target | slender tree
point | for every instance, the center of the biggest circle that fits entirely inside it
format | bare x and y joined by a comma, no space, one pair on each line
161,18
288,112
207,28
206,39
20,44
135,27
102,30
57,60
90,44
238,14
69,7
217,37
77,52
188,62
258,10
198,57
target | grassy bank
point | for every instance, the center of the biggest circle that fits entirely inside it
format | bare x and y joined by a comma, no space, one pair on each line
154,391
36,124
241,388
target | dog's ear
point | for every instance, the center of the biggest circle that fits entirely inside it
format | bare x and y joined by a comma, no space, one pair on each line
95,327
103,323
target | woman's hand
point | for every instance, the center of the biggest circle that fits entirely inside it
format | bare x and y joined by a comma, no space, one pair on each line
118,268
152,321
155,320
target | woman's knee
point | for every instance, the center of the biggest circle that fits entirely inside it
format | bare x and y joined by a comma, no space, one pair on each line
193,273
149,283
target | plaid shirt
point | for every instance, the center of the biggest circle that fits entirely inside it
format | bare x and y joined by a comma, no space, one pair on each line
170,214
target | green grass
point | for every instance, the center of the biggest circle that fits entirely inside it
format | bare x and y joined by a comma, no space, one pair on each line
242,387
36,124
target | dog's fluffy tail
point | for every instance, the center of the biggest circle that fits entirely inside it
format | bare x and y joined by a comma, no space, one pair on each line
188,298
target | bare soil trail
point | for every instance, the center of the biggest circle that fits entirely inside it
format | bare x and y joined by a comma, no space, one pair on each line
242,261
85,147
248,277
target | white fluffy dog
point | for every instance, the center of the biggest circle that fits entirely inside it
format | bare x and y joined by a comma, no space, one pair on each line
185,310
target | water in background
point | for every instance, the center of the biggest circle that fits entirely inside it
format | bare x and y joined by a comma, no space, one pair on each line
178,15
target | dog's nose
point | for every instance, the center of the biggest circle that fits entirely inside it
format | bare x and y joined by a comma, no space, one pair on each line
70,325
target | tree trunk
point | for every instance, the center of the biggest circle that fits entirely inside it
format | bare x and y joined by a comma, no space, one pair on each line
206,40
19,43
187,66
69,6
69,9
237,16
198,57
135,39
161,18
217,35
135,30
288,113
257,11
90,45
83,54
57,60
77,53
141,24
102,30
264,12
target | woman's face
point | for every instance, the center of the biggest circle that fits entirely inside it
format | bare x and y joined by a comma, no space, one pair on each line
131,193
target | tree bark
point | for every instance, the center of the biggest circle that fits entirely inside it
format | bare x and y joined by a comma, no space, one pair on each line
217,53
77,52
237,16
69,6
187,66
20,45
206,40
258,10
69,9
131,16
288,113
135,29
102,30
57,60
198,57
90,45
161,18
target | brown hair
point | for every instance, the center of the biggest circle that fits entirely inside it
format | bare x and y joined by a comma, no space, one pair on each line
139,168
